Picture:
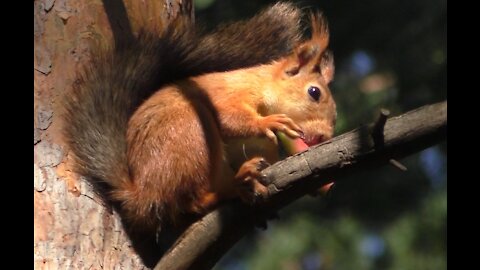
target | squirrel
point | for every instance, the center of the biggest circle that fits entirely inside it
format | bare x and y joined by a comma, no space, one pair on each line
153,122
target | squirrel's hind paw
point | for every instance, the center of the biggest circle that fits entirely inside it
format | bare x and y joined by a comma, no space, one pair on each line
249,180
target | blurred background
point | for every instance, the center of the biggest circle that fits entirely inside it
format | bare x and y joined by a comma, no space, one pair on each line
388,54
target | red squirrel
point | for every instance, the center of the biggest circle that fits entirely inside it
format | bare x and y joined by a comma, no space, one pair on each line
153,121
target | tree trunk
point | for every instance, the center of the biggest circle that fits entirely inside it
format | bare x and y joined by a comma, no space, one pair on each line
72,227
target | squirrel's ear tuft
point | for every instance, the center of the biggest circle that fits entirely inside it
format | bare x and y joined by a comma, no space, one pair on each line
320,32
311,54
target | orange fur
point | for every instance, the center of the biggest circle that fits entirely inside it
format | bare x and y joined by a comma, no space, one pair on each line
178,139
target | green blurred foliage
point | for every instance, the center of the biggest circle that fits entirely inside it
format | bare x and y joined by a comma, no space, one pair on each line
388,54
413,241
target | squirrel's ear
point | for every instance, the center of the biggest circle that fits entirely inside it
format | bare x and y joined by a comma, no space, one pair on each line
303,56
310,53
327,66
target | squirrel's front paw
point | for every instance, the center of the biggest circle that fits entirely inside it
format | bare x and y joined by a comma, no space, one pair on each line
249,179
279,122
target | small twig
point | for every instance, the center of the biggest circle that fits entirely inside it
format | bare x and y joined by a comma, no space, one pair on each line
395,163
378,137
378,128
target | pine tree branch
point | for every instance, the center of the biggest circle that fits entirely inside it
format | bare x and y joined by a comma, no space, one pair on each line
366,147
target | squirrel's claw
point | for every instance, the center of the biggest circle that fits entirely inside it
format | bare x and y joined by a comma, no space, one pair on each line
250,180
279,122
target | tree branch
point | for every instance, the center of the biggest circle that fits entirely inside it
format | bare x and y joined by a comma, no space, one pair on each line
369,146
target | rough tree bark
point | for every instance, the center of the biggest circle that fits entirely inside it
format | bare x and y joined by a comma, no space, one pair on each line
72,229
369,146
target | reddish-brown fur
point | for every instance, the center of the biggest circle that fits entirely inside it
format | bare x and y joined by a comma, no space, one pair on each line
178,138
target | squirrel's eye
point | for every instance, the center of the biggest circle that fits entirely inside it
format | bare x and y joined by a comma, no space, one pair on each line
314,92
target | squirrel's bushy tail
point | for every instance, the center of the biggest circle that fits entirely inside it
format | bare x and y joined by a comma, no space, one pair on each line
113,85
